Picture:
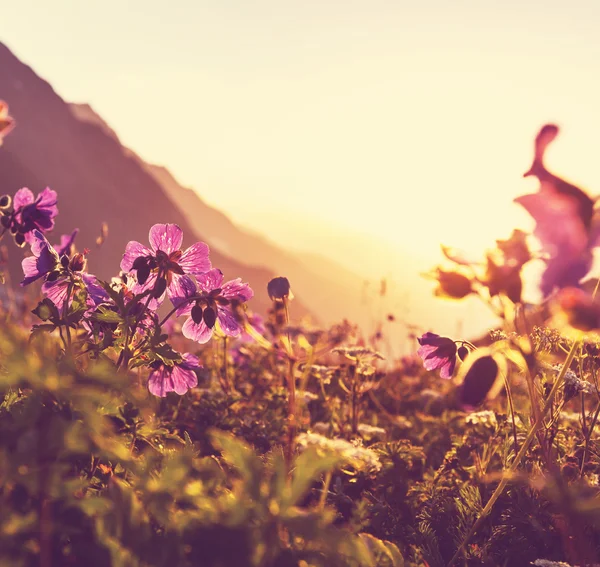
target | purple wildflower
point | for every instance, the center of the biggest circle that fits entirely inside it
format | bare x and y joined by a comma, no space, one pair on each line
30,213
438,352
279,289
60,272
44,260
563,214
214,305
178,378
163,268
256,321
67,244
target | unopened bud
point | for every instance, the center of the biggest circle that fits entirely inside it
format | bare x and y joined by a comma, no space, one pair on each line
5,201
453,284
279,289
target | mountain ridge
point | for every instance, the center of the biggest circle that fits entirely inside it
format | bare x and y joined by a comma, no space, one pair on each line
97,179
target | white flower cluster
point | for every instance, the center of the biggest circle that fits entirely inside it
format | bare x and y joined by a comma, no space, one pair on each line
547,563
371,430
361,458
573,383
358,352
485,417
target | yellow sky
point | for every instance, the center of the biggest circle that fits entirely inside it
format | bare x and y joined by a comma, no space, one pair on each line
409,121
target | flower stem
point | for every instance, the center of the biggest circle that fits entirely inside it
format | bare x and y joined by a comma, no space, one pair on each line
512,413
123,357
520,455
225,380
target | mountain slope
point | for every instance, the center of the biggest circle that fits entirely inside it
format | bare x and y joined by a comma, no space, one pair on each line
97,180
332,292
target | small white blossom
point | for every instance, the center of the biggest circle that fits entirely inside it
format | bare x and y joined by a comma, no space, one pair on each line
353,454
485,417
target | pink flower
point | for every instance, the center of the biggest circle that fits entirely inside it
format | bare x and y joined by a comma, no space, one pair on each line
178,378
563,214
163,269
30,213
44,260
438,352
214,305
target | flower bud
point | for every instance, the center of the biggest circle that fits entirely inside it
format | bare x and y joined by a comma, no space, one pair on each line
478,381
462,352
159,288
77,263
210,317
143,273
576,309
197,314
5,201
453,284
279,289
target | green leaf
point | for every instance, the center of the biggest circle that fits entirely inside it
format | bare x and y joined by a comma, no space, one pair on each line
105,315
46,310
240,456
308,468
384,553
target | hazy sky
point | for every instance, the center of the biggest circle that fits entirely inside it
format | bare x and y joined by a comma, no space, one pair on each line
410,121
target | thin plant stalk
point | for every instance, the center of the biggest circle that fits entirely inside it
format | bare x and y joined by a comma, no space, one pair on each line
588,436
520,455
225,378
512,412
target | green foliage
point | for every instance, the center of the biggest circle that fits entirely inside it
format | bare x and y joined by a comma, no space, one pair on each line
386,470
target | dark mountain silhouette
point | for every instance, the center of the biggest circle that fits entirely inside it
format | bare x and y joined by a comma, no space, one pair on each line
96,178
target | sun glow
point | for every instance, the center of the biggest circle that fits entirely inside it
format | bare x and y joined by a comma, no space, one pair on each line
321,124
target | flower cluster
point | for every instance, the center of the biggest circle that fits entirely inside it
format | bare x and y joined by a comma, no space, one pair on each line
352,454
24,214
121,316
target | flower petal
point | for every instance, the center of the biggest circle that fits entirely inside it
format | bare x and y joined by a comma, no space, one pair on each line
48,199
236,289
190,361
183,379
426,350
166,237
44,259
227,322
22,198
447,369
96,293
185,288
196,332
57,292
159,382
429,339
133,251
66,241
210,280
559,226
154,303
195,259
180,288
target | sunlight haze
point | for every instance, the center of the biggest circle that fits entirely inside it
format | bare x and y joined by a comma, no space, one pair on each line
408,122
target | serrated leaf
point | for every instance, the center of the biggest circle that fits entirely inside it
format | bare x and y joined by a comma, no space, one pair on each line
105,315
308,468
